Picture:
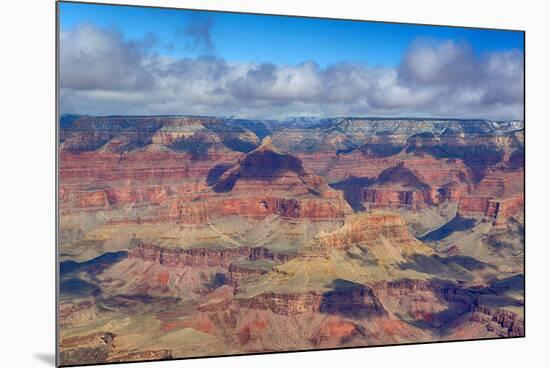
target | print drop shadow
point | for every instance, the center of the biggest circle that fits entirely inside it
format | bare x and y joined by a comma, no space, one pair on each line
48,358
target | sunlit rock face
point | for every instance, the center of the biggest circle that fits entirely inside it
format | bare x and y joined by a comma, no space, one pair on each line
192,236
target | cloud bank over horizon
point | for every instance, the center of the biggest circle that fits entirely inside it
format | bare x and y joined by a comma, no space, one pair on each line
104,73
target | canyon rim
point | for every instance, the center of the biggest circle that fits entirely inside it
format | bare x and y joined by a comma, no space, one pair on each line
222,193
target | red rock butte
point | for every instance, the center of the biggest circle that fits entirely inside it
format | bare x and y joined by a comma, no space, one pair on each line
185,236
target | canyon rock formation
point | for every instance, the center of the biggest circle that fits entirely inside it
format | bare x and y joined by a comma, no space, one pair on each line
184,236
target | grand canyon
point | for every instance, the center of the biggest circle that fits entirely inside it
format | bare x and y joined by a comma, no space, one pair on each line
189,236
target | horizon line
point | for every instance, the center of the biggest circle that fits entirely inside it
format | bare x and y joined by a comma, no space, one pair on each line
366,117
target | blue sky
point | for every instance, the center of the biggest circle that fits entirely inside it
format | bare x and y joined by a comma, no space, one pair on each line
281,40
137,60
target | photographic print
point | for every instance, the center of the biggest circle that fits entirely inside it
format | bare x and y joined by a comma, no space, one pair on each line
233,183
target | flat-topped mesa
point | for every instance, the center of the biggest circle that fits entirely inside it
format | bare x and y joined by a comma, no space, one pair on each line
104,198
497,197
397,186
258,207
179,128
201,257
394,198
358,301
285,304
406,287
109,196
239,272
403,186
436,172
370,229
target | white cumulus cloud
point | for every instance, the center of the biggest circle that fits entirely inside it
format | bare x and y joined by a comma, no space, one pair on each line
101,72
